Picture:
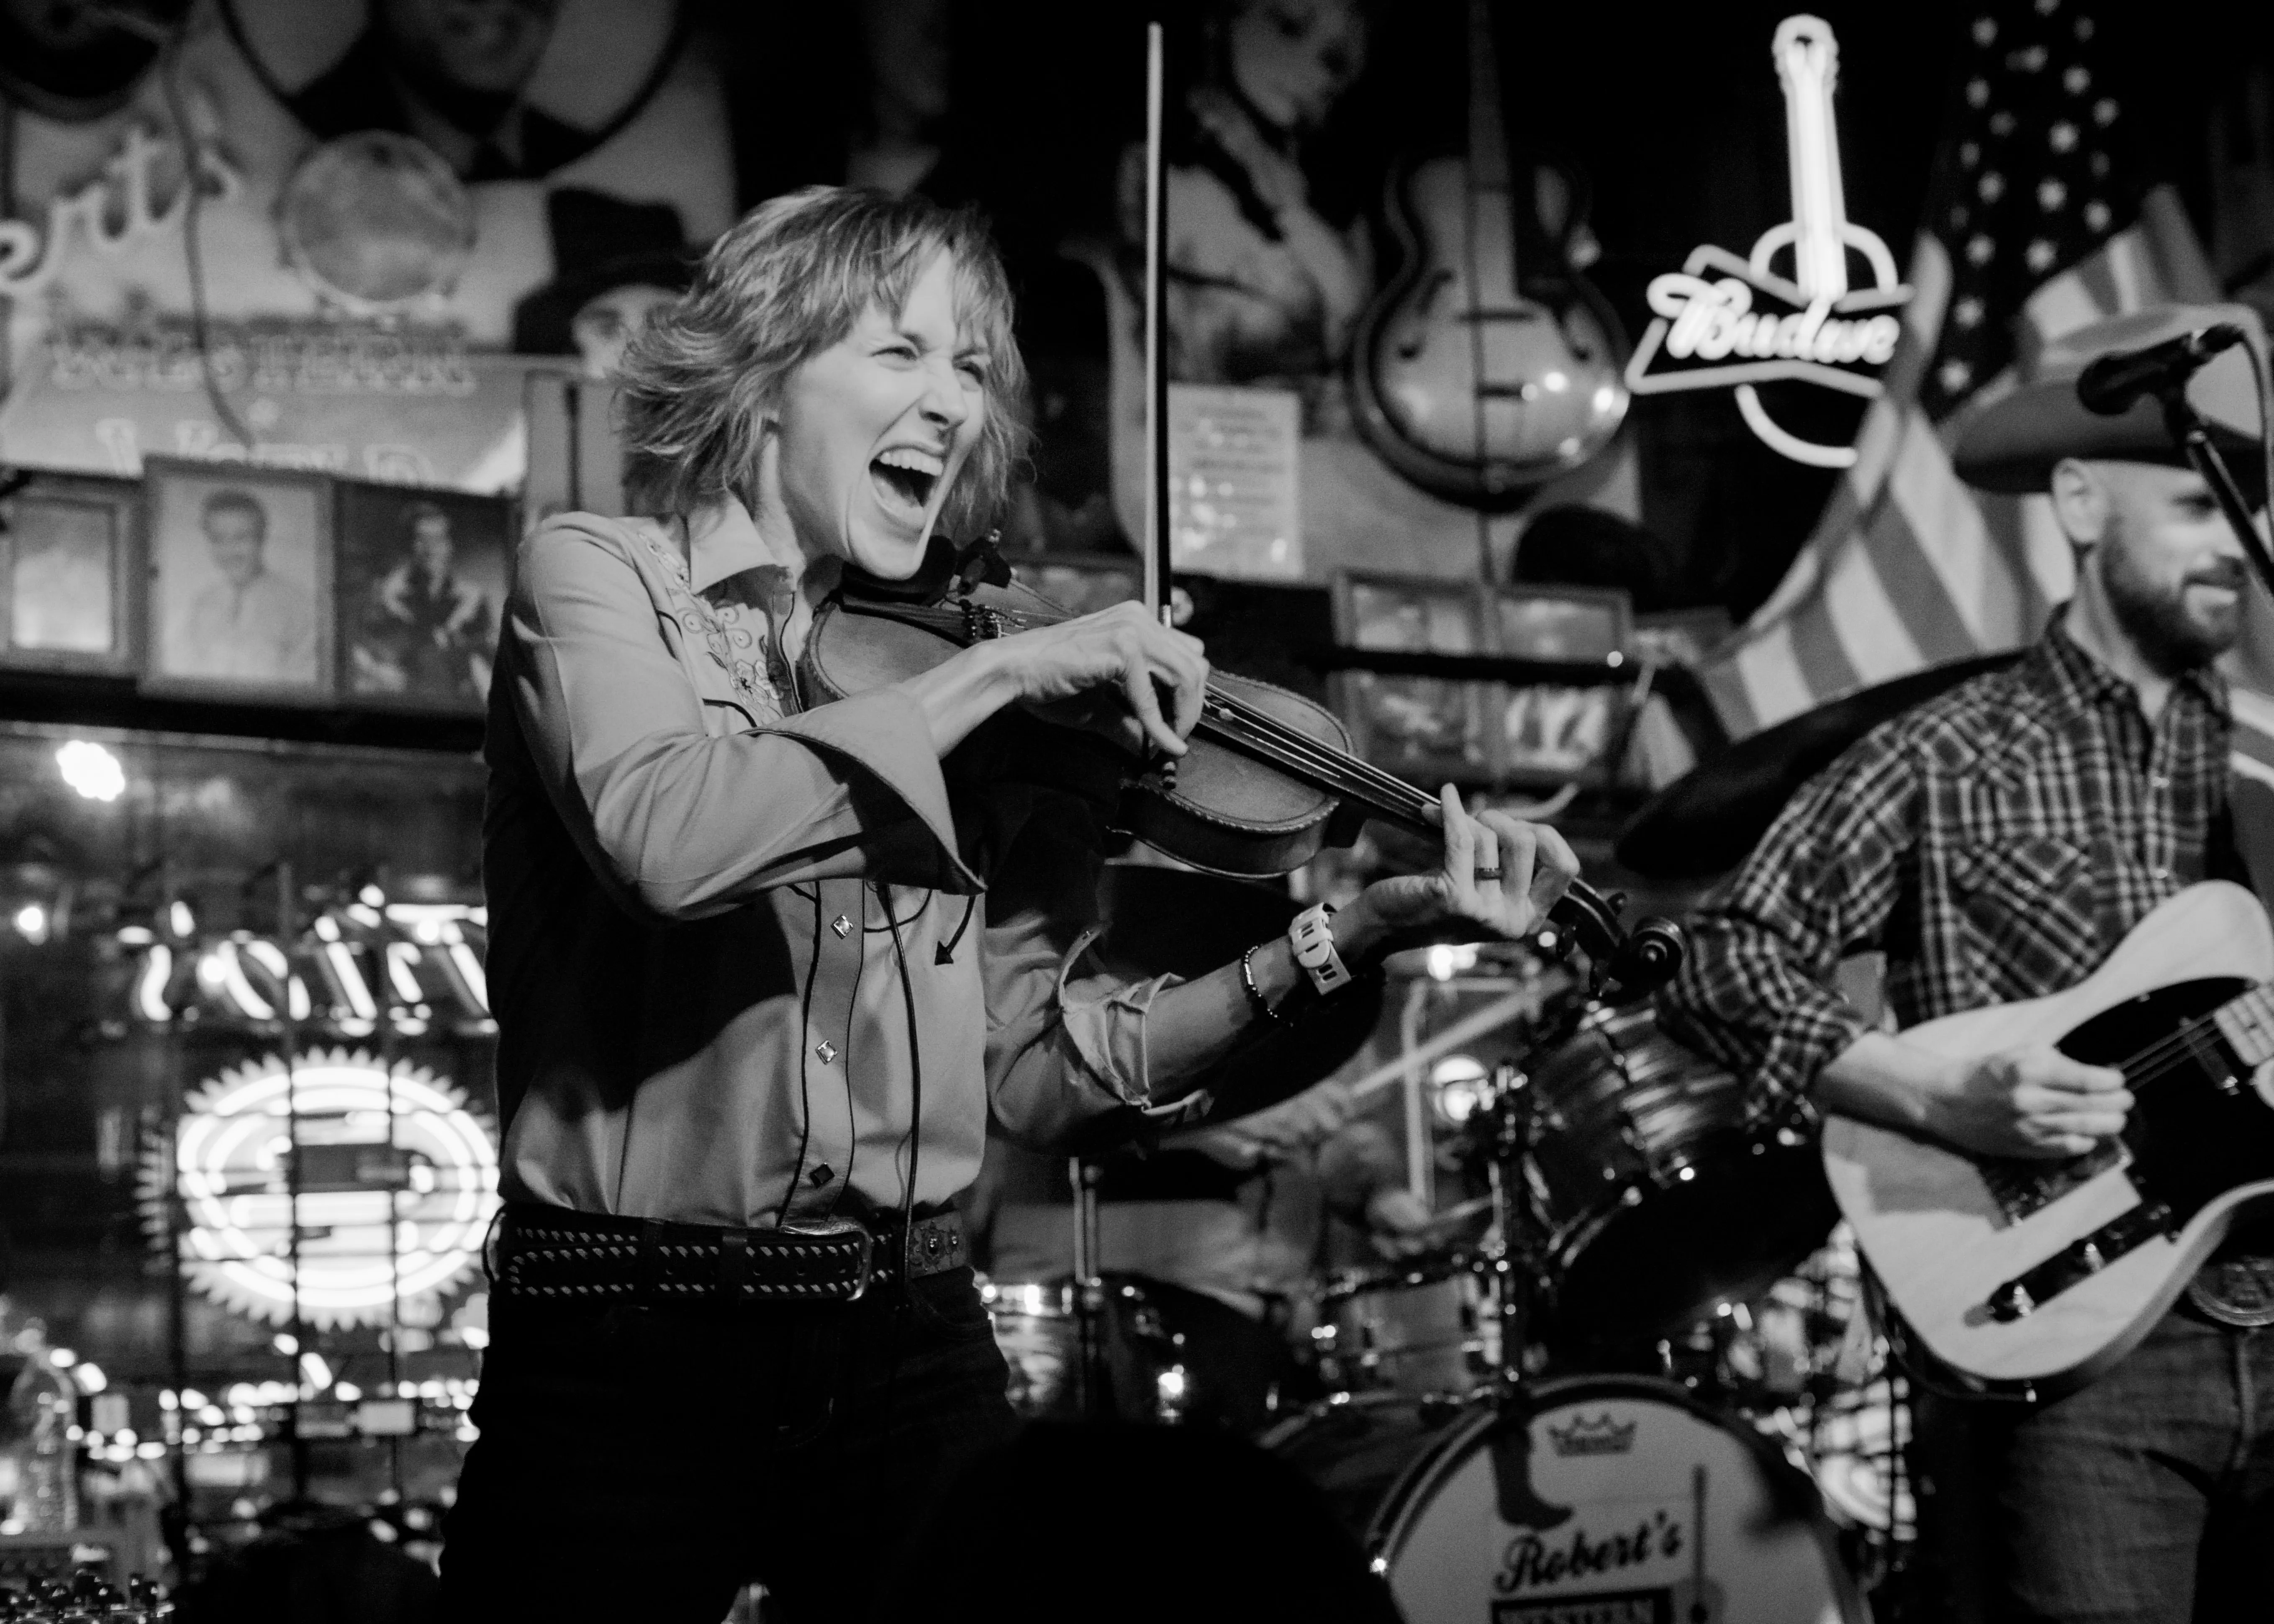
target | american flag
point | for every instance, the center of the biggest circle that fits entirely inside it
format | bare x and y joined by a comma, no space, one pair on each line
2036,225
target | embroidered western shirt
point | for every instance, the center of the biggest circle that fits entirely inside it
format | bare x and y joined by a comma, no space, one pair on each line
745,959
1996,843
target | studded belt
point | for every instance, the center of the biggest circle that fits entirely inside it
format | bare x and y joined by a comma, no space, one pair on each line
553,1253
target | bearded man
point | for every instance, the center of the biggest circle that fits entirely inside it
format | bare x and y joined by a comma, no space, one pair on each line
1997,844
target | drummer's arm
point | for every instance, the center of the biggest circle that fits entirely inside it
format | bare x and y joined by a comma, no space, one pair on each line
1756,990
1362,1178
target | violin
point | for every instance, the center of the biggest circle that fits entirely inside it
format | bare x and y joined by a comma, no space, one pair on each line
1268,779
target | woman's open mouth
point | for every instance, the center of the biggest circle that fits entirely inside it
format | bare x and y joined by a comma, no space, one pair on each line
904,479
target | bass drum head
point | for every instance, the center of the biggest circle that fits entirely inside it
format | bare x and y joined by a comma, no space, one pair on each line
1601,1497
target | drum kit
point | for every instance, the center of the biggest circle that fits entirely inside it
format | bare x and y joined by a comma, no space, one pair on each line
1649,1384
1648,1388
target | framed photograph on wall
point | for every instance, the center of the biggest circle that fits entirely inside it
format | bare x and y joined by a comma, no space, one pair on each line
70,570
422,581
1082,582
1424,729
240,588
1554,733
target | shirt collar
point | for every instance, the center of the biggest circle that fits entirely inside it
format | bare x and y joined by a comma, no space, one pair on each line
2076,676
722,540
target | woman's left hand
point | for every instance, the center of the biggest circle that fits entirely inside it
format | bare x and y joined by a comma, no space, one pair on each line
1498,877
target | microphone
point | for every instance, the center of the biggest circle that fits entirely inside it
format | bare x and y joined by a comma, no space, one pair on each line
1648,957
2113,382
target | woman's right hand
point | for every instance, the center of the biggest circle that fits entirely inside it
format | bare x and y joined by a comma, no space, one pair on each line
1105,672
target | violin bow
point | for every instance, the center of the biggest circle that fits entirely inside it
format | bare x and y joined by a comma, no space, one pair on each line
1157,537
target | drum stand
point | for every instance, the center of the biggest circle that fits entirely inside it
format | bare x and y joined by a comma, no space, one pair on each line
1512,1125
1093,1381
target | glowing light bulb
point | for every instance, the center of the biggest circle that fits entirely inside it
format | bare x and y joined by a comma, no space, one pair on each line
93,771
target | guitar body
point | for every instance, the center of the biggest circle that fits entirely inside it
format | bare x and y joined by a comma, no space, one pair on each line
1948,1236
1476,388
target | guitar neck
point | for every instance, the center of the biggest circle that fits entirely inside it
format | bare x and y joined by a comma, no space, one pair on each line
1808,67
2246,1022
1487,135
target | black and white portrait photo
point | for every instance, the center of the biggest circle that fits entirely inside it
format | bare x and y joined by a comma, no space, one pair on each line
422,579
66,570
241,563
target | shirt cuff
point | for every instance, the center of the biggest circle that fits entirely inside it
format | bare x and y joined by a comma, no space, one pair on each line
1804,1041
1108,1030
885,732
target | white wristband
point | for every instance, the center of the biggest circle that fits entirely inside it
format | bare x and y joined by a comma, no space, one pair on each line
1312,939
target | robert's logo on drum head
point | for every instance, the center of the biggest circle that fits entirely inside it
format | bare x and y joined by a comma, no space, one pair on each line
1600,1436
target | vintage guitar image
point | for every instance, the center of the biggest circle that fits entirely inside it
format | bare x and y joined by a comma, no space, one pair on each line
1471,378
2034,1276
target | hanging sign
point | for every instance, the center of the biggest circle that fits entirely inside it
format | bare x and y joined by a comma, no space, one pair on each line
1723,322
389,1180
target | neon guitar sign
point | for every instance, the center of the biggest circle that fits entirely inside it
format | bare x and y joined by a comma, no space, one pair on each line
1726,322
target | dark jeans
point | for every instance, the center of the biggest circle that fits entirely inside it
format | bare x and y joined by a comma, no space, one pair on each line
2146,1497
645,1463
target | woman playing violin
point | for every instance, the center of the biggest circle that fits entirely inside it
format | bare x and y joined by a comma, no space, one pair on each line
761,975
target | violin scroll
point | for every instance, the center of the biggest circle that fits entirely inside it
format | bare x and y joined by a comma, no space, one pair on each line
1626,963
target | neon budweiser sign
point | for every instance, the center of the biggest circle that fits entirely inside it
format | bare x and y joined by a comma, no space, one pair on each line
1723,322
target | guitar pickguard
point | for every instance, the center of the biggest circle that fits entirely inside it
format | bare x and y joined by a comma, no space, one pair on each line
2195,1130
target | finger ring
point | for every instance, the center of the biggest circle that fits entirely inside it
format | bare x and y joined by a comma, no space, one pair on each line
1488,874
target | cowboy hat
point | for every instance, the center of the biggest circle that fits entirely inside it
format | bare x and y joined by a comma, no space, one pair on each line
2013,443
599,243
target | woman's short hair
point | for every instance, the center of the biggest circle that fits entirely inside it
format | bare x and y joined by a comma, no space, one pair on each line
784,282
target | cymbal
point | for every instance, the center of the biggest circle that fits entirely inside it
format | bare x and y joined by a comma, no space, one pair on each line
1177,922
1707,821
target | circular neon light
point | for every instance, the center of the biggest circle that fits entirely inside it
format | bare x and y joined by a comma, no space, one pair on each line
397,1186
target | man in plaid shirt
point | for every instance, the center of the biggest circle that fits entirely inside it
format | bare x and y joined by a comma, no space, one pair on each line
1996,843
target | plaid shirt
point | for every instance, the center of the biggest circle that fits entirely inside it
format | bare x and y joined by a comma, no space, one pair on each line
1996,843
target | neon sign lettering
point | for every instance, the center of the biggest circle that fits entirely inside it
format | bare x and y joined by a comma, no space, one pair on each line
1726,322
390,1180
408,961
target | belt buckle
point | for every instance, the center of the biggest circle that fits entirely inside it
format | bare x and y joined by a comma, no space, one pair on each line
835,1228
2236,1291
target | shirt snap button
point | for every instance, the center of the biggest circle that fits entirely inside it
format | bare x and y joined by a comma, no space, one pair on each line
842,926
827,1050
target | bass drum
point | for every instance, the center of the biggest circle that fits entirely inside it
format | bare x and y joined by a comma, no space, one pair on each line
1598,1498
1659,1201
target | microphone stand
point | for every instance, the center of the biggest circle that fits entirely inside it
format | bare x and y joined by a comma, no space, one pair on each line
2188,432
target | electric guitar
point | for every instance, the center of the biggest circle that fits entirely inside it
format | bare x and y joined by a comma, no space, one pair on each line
2033,1277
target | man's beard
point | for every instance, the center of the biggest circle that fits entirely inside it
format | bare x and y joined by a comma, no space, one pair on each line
2156,617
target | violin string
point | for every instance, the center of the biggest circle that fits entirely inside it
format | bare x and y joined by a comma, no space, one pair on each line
1324,765
1335,772
1330,768
1341,768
